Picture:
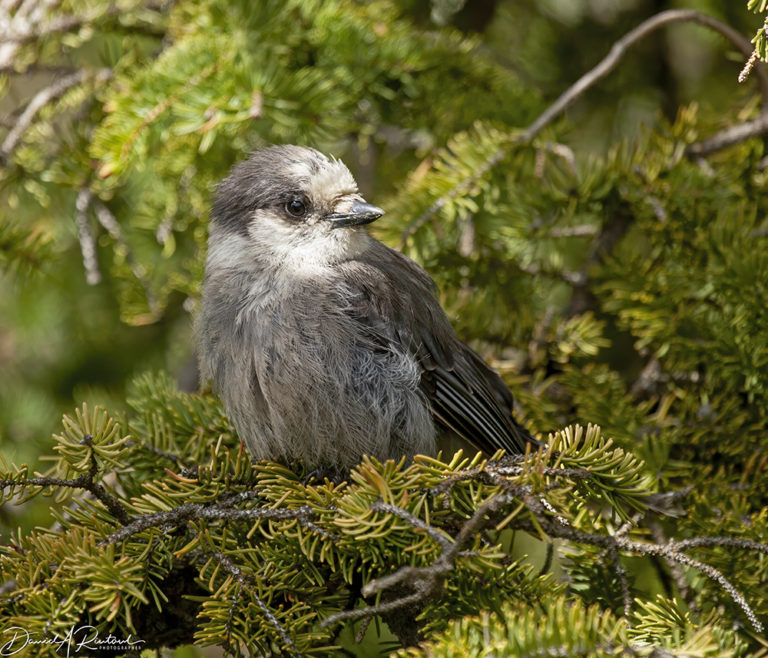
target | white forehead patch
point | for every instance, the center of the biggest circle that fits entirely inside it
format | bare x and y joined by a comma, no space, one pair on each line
323,178
300,169
332,181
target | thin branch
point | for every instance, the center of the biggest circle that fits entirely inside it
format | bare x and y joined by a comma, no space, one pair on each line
112,226
371,611
717,576
360,635
620,48
589,79
723,542
82,482
220,510
85,481
86,237
43,98
729,136
621,572
445,542
246,582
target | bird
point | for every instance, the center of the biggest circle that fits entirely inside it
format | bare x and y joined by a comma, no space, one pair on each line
323,343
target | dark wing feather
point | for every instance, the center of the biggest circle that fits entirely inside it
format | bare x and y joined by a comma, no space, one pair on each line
473,401
467,396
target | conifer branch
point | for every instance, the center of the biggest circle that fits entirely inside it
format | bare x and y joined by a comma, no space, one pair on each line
618,542
622,46
220,510
425,581
592,77
85,481
246,582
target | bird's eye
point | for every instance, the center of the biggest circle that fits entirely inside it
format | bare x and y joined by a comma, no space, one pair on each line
296,208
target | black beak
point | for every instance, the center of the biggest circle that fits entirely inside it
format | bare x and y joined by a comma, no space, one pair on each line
360,213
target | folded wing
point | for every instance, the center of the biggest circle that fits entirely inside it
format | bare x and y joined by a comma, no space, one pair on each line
466,395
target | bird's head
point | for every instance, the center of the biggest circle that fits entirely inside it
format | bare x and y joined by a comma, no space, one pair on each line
290,206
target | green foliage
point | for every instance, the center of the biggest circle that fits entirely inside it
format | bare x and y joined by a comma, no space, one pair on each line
563,628
21,252
266,557
623,287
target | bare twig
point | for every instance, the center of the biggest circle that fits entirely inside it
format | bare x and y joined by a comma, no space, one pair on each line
360,635
220,510
112,226
621,572
589,79
43,98
722,542
729,136
441,538
85,482
620,48
86,237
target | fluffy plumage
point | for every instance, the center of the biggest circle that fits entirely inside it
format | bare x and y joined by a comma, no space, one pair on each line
323,343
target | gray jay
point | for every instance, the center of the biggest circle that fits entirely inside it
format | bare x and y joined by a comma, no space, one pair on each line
323,343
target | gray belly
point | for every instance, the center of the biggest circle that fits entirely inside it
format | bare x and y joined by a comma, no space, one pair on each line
323,392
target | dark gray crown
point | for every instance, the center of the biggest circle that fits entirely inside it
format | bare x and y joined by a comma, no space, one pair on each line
268,178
